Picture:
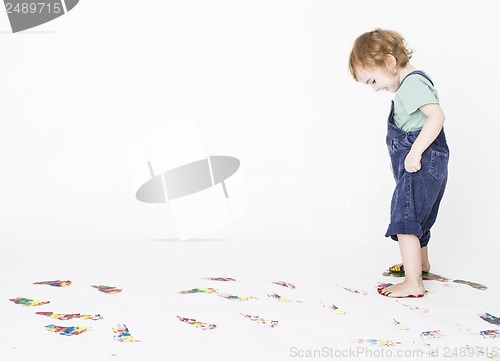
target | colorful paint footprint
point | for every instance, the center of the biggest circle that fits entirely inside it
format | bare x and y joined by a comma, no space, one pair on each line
357,292
427,276
490,334
414,308
198,324
377,342
220,279
57,283
431,334
28,302
198,290
284,284
397,268
122,334
281,298
335,309
490,318
262,321
477,286
400,326
69,316
393,274
67,331
110,290
236,298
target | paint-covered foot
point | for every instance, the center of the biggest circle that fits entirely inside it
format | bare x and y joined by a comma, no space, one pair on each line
399,268
401,290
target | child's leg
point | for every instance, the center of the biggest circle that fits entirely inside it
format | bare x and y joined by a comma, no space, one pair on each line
411,253
426,266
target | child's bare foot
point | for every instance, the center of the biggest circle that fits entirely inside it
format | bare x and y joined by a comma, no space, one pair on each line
403,289
426,267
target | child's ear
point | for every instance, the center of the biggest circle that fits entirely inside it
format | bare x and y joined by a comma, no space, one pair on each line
390,61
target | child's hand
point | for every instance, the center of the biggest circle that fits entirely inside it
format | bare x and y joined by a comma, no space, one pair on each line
412,162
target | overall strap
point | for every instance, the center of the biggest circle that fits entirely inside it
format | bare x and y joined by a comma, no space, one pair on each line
419,72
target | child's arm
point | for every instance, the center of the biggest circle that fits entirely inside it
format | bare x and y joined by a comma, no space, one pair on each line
431,129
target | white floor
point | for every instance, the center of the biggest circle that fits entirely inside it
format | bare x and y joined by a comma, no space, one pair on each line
267,82
152,271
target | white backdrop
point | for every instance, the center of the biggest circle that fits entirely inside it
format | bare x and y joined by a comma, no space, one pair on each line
267,82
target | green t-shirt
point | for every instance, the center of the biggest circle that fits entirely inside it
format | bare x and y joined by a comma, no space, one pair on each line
414,92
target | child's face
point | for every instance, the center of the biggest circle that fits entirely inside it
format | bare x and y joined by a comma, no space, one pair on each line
379,78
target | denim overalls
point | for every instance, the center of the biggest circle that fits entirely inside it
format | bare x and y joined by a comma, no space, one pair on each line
416,199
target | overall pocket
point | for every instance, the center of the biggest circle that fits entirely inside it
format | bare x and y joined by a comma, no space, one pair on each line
438,167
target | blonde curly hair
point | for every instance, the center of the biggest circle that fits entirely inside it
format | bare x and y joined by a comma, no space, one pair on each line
371,48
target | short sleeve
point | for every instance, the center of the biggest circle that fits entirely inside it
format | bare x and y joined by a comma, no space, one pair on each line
415,92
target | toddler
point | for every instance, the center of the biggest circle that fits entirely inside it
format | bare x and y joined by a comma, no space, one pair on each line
417,148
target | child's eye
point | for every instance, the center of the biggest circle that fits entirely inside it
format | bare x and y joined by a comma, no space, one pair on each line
373,81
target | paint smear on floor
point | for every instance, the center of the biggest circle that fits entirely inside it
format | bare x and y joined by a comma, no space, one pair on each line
69,316
357,292
281,298
262,321
67,331
284,284
334,309
377,342
28,302
490,334
477,286
110,290
56,283
220,279
122,334
198,324
431,334
490,318
399,325
235,297
198,290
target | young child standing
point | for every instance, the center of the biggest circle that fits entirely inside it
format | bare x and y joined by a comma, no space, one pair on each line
417,148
